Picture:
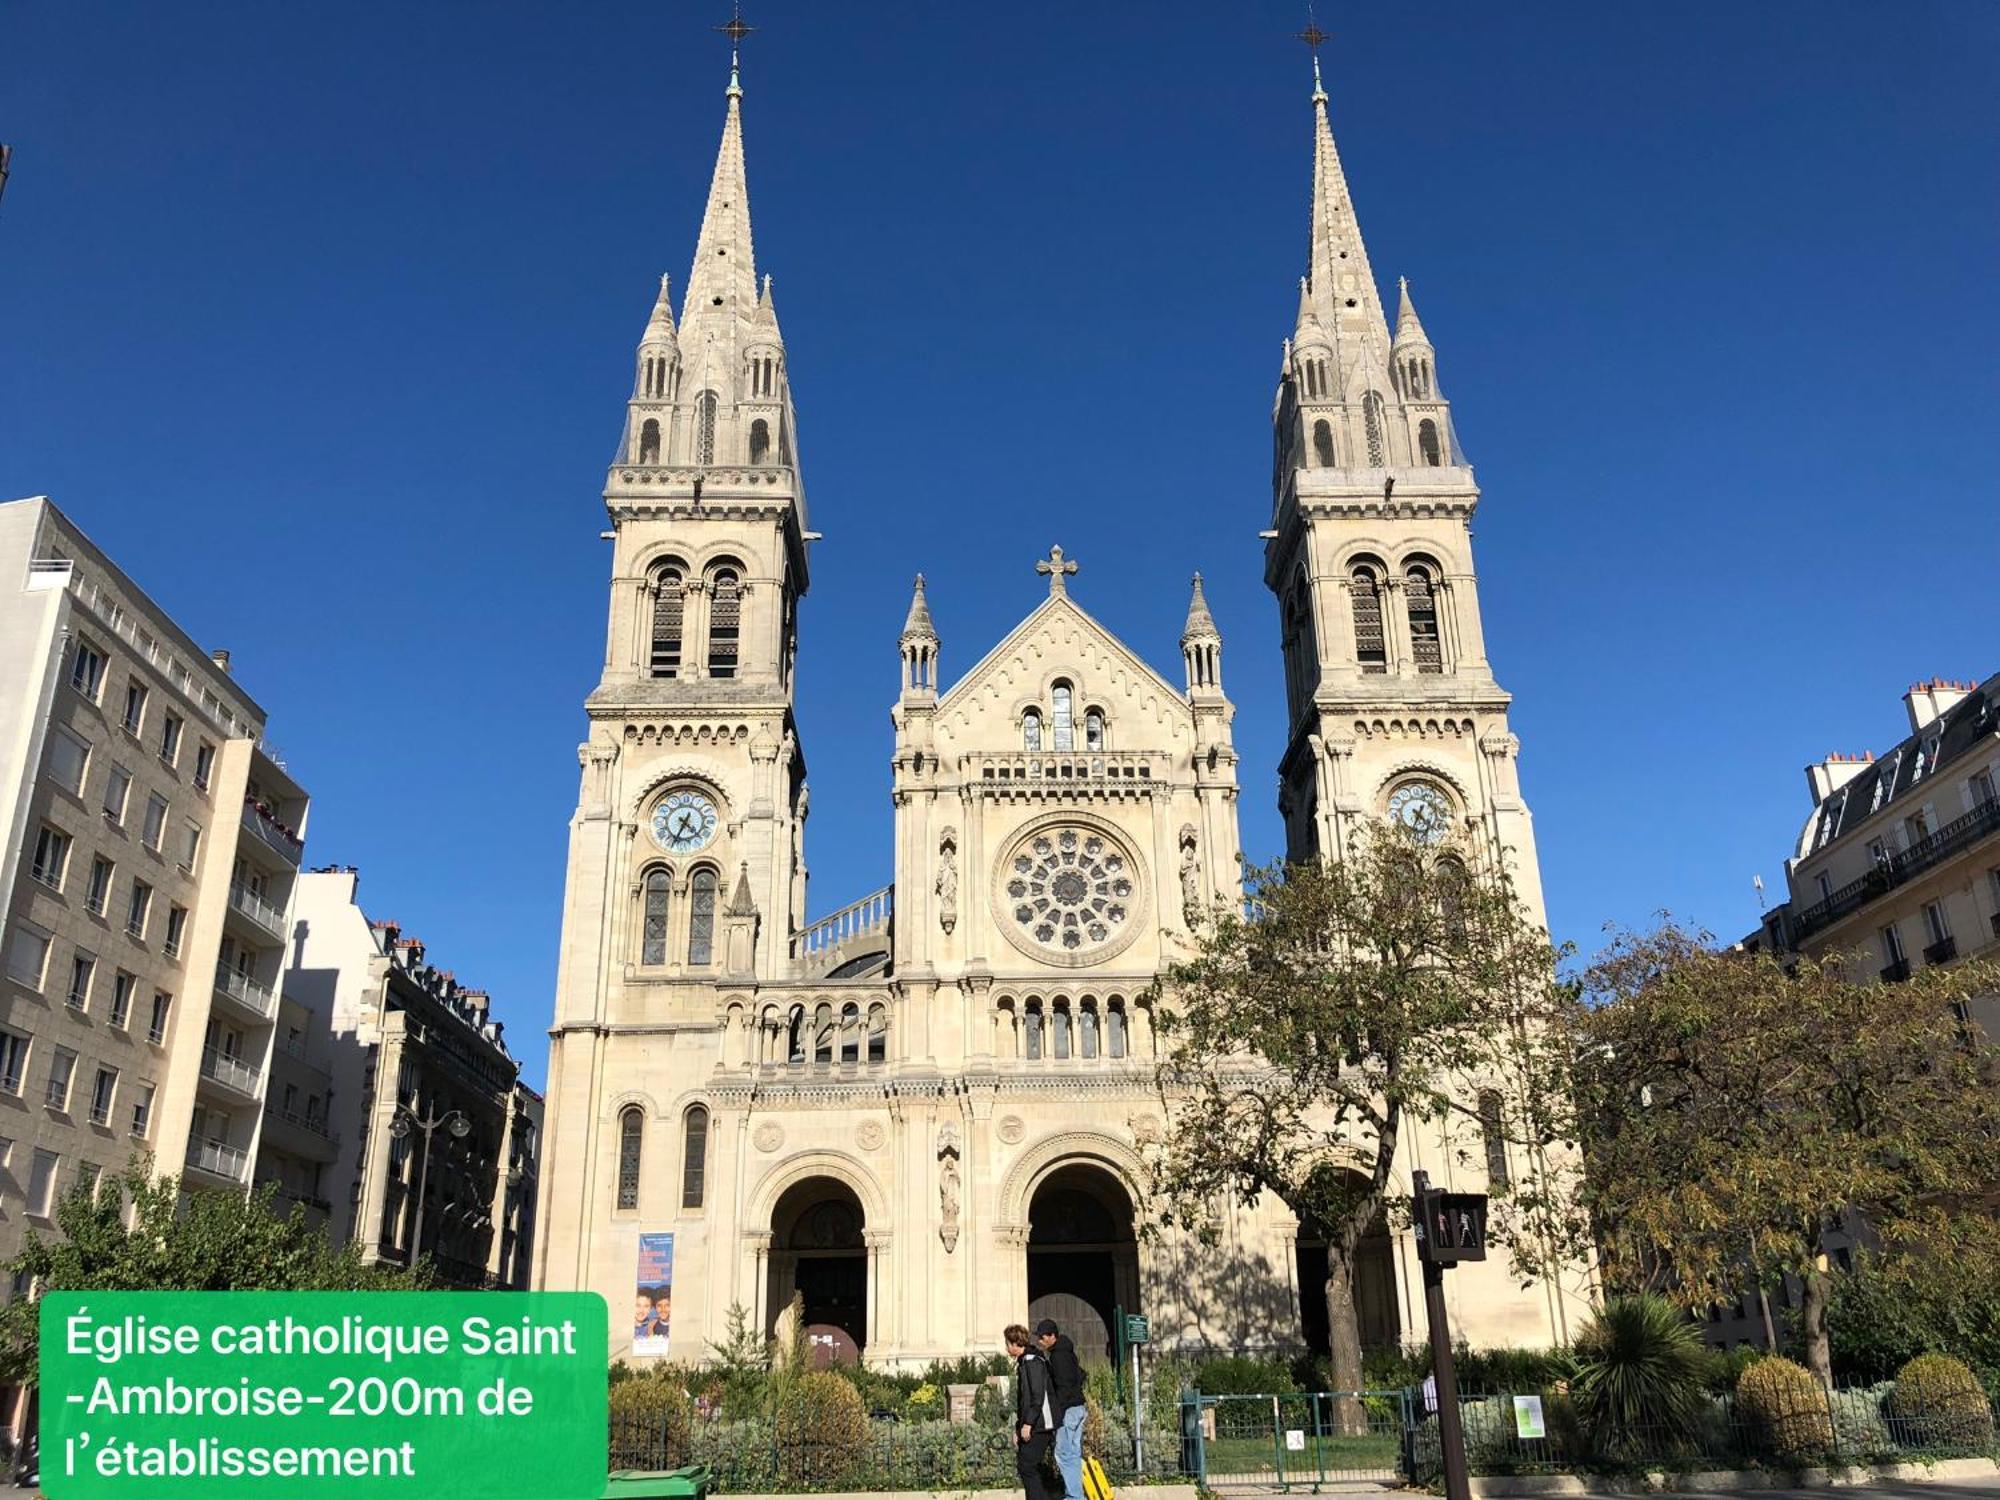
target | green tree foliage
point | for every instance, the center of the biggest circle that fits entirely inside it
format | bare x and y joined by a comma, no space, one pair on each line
1734,1111
1391,986
1882,1316
212,1242
1641,1375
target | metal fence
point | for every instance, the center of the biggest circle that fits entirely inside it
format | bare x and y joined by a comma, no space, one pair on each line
1284,1440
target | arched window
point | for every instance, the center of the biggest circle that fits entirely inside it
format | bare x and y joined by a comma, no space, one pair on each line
725,622
1323,444
701,917
1492,1126
1087,1031
760,441
694,1157
1061,1023
704,428
1369,647
653,933
1371,417
1425,648
1093,729
1062,719
795,1036
631,1140
669,609
1032,1032
1427,443
1031,730
878,1033
823,1033
649,441
850,1033
1114,1029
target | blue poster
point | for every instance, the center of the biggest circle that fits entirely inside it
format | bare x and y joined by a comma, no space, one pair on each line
655,1303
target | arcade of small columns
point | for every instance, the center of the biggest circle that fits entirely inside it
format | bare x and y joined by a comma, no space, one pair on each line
839,1032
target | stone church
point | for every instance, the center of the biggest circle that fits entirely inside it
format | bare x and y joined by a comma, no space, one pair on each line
924,1114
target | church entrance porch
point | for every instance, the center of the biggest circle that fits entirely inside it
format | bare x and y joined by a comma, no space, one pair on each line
1083,1256
818,1254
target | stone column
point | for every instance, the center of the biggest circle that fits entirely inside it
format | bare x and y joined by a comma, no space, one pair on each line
881,1322
758,1243
1396,627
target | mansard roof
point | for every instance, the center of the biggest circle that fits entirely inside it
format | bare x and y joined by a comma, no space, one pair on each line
1965,726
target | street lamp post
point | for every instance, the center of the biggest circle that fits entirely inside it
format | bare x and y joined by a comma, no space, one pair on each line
407,1120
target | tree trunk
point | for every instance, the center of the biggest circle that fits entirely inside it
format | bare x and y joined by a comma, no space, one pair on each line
1812,1326
1343,1338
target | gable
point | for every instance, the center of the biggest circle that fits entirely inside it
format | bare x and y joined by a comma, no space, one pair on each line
1060,640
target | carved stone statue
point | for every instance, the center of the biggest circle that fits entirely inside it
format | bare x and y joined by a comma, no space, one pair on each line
947,886
1191,902
948,1204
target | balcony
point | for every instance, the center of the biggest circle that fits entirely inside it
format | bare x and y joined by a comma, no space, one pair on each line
223,1162
1896,972
272,834
1943,951
232,1073
1954,838
245,993
311,1124
263,915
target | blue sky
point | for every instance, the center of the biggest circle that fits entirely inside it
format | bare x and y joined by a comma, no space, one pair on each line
320,320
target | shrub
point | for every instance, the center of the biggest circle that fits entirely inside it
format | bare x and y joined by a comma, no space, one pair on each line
1786,1406
1093,1429
1639,1386
650,1422
1860,1423
1722,1368
821,1432
1938,1403
1243,1375
991,1407
1511,1371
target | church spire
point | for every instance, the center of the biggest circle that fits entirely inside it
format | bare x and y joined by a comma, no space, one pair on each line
1343,286
920,648
1201,647
722,288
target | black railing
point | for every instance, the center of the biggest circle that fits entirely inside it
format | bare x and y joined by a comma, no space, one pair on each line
1895,869
1896,972
1943,951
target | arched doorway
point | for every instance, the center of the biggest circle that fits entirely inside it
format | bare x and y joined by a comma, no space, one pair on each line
1083,1256
817,1254
1375,1307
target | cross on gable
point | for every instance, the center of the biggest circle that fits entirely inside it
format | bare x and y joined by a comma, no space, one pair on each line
1057,567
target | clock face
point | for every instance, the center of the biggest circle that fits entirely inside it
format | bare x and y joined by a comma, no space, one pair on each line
684,822
1421,808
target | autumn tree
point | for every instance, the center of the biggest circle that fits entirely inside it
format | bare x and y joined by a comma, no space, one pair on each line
1736,1110
1350,1000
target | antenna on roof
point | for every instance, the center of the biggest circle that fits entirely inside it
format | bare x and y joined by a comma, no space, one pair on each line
1758,882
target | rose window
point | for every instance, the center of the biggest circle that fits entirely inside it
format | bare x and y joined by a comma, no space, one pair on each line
1069,889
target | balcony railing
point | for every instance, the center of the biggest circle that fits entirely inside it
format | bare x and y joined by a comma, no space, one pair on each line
1943,951
314,1123
863,918
1897,869
232,1072
246,991
266,828
258,910
1896,972
218,1160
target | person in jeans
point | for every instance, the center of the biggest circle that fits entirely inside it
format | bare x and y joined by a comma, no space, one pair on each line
1034,1410
1066,1371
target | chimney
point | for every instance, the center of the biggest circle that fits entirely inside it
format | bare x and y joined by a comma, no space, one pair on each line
1930,701
477,1001
221,659
1828,776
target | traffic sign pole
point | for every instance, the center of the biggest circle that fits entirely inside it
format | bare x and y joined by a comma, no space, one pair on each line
1444,1372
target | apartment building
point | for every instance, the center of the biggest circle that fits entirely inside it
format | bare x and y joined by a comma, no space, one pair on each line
151,842
436,1139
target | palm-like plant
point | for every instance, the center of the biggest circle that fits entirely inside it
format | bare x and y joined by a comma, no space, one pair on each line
1638,1390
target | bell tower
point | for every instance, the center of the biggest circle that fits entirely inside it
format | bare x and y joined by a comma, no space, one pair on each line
1391,702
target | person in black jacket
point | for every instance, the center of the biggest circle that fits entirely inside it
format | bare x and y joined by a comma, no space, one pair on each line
1034,1410
1066,1370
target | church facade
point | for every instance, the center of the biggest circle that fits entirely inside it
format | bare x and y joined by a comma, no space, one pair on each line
925,1115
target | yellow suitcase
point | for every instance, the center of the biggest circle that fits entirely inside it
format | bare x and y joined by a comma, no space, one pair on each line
1096,1484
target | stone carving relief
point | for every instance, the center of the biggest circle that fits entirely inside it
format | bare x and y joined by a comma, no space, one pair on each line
947,881
869,1135
1146,1130
948,1188
769,1137
1012,1128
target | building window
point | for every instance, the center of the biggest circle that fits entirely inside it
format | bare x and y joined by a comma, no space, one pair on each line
1031,1033
69,759
62,1069
823,1033
669,610
117,786
176,925
1934,921
82,969
137,908
135,704
27,957
1031,730
1060,1026
760,441
1114,1030
1093,730
190,845
653,940
1981,789
1323,444
1427,443
42,1183
204,764
156,1027
694,1163
1492,1128
1370,649
86,670
122,985
649,441
142,1109
1425,648
631,1140
725,623
1062,718
170,738
850,1033
1087,1032
701,917
51,857
155,827
87,1176
13,1061
102,1093
1892,946
878,1033
704,428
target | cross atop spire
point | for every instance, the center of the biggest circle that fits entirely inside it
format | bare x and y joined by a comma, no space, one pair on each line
1314,38
735,29
1058,568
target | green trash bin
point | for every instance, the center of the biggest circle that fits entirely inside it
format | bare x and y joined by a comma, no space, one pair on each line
690,1483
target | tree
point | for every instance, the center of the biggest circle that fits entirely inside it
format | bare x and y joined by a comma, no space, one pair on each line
214,1242
1394,985
1736,1110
